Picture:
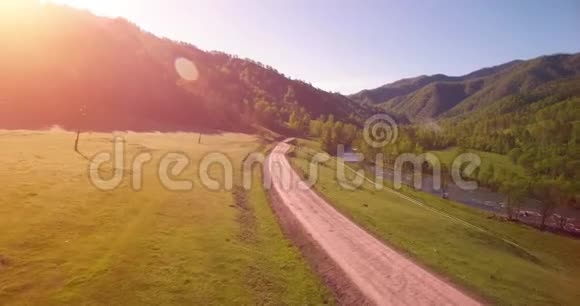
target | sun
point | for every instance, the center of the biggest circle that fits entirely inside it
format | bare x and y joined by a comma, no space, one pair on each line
100,7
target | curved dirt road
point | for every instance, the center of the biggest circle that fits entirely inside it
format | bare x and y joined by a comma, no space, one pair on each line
381,275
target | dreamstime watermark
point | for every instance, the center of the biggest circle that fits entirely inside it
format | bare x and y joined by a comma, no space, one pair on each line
216,171
380,130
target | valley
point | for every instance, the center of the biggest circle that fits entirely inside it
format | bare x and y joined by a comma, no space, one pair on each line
139,168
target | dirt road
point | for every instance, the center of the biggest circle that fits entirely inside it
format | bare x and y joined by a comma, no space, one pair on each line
380,274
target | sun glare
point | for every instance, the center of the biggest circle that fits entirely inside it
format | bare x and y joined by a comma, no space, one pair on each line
100,7
17,4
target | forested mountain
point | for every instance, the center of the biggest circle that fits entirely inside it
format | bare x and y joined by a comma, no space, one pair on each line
399,89
526,110
61,66
443,96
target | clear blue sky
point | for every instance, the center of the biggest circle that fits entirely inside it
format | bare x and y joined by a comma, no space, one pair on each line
346,46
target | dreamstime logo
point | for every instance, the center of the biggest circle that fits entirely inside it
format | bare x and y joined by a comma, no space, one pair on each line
108,169
380,130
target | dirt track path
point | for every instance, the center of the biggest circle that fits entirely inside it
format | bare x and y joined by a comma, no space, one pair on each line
380,274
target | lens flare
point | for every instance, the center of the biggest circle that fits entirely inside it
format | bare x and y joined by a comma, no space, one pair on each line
186,69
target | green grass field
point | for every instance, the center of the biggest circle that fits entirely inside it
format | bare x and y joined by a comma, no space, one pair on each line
499,162
544,271
63,241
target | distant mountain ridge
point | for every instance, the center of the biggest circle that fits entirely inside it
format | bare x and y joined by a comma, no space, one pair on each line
439,95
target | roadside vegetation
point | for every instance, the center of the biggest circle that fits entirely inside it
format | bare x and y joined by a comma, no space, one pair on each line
65,242
503,262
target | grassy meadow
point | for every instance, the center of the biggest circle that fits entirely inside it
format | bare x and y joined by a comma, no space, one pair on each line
544,269
501,163
62,241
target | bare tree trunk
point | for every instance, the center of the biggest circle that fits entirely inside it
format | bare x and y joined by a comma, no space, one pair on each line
543,222
510,212
77,140
199,139
563,222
